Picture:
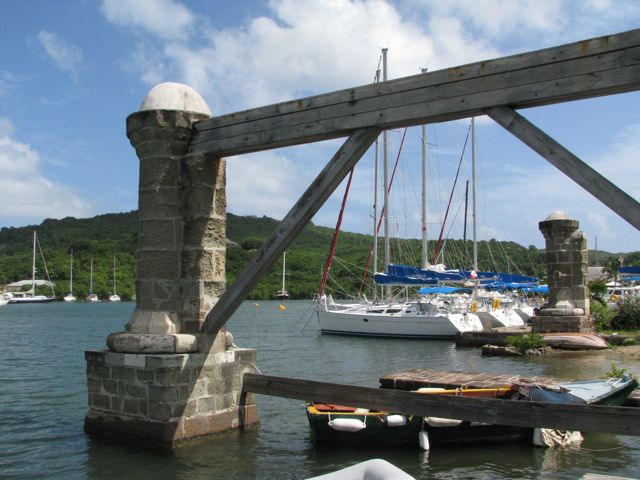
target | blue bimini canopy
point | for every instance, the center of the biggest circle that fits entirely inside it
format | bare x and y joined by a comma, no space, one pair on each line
630,270
407,276
441,289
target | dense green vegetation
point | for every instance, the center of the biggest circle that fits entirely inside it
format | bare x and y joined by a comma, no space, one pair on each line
114,235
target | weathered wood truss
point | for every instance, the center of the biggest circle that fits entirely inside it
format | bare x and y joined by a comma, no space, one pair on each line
590,68
497,88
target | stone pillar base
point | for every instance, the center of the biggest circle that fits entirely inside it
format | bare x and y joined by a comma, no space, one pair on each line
160,400
561,324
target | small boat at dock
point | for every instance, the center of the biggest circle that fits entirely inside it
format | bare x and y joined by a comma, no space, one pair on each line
344,425
339,424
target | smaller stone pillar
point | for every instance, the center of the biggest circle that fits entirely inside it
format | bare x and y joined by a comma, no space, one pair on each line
566,253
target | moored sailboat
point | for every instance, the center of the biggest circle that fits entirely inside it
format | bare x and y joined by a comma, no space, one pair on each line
92,297
282,293
114,297
70,297
30,296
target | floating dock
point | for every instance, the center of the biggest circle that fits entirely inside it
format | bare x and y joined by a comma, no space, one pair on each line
411,380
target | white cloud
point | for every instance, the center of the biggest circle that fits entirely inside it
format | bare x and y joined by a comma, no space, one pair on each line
304,48
67,56
164,18
25,194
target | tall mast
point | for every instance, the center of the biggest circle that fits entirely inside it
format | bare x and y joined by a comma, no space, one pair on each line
374,253
473,192
91,277
71,274
425,242
385,145
114,274
284,261
33,266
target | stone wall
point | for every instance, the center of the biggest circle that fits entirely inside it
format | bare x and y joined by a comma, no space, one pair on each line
163,399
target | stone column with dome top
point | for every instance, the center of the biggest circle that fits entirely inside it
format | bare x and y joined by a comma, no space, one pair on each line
567,309
164,379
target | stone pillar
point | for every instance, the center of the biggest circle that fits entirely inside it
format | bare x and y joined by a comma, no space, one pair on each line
164,379
567,259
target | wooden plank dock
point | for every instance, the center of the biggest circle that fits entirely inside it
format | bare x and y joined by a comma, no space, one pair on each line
419,378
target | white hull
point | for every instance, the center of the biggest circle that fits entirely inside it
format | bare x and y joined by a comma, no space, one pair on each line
70,298
93,298
31,299
114,298
404,320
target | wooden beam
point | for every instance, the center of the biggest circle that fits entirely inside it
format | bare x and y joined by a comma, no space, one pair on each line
287,230
599,66
585,418
581,173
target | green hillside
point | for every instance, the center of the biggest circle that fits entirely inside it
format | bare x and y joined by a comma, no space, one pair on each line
114,235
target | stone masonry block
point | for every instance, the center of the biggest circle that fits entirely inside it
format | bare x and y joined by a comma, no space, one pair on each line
200,202
163,393
155,206
136,391
159,265
159,234
205,232
159,411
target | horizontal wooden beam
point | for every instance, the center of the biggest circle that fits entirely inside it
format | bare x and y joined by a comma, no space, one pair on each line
565,161
595,67
585,418
290,226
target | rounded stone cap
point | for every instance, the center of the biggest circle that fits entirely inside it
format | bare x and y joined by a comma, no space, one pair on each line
557,215
174,96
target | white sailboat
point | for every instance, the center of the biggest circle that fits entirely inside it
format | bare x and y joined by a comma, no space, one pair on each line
70,297
29,296
282,293
114,297
432,316
92,297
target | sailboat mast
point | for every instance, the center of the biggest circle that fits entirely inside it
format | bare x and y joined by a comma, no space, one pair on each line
284,262
114,275
374,253
91,277
71,274
33,266
385,146
425,242
473,192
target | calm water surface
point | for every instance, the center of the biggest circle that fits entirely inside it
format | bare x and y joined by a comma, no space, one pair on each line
43,402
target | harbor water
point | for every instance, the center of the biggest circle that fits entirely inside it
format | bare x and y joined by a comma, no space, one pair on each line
43,402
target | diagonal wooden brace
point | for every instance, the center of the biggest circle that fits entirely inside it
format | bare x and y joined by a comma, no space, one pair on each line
289,228
565,161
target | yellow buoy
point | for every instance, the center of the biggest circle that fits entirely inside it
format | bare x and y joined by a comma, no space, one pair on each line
282,307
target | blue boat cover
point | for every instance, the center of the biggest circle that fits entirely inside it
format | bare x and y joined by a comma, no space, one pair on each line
629,270
441,289
405,275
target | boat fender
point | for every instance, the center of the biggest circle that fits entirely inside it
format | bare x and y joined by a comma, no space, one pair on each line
430,390
347,424
442,422
496,303
423,437
396,420
548,437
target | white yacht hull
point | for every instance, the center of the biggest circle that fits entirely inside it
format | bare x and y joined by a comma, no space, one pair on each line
375,321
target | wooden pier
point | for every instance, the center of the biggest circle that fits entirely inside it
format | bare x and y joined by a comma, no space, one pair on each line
419,378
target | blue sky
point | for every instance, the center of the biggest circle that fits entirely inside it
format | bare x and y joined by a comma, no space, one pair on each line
72,70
